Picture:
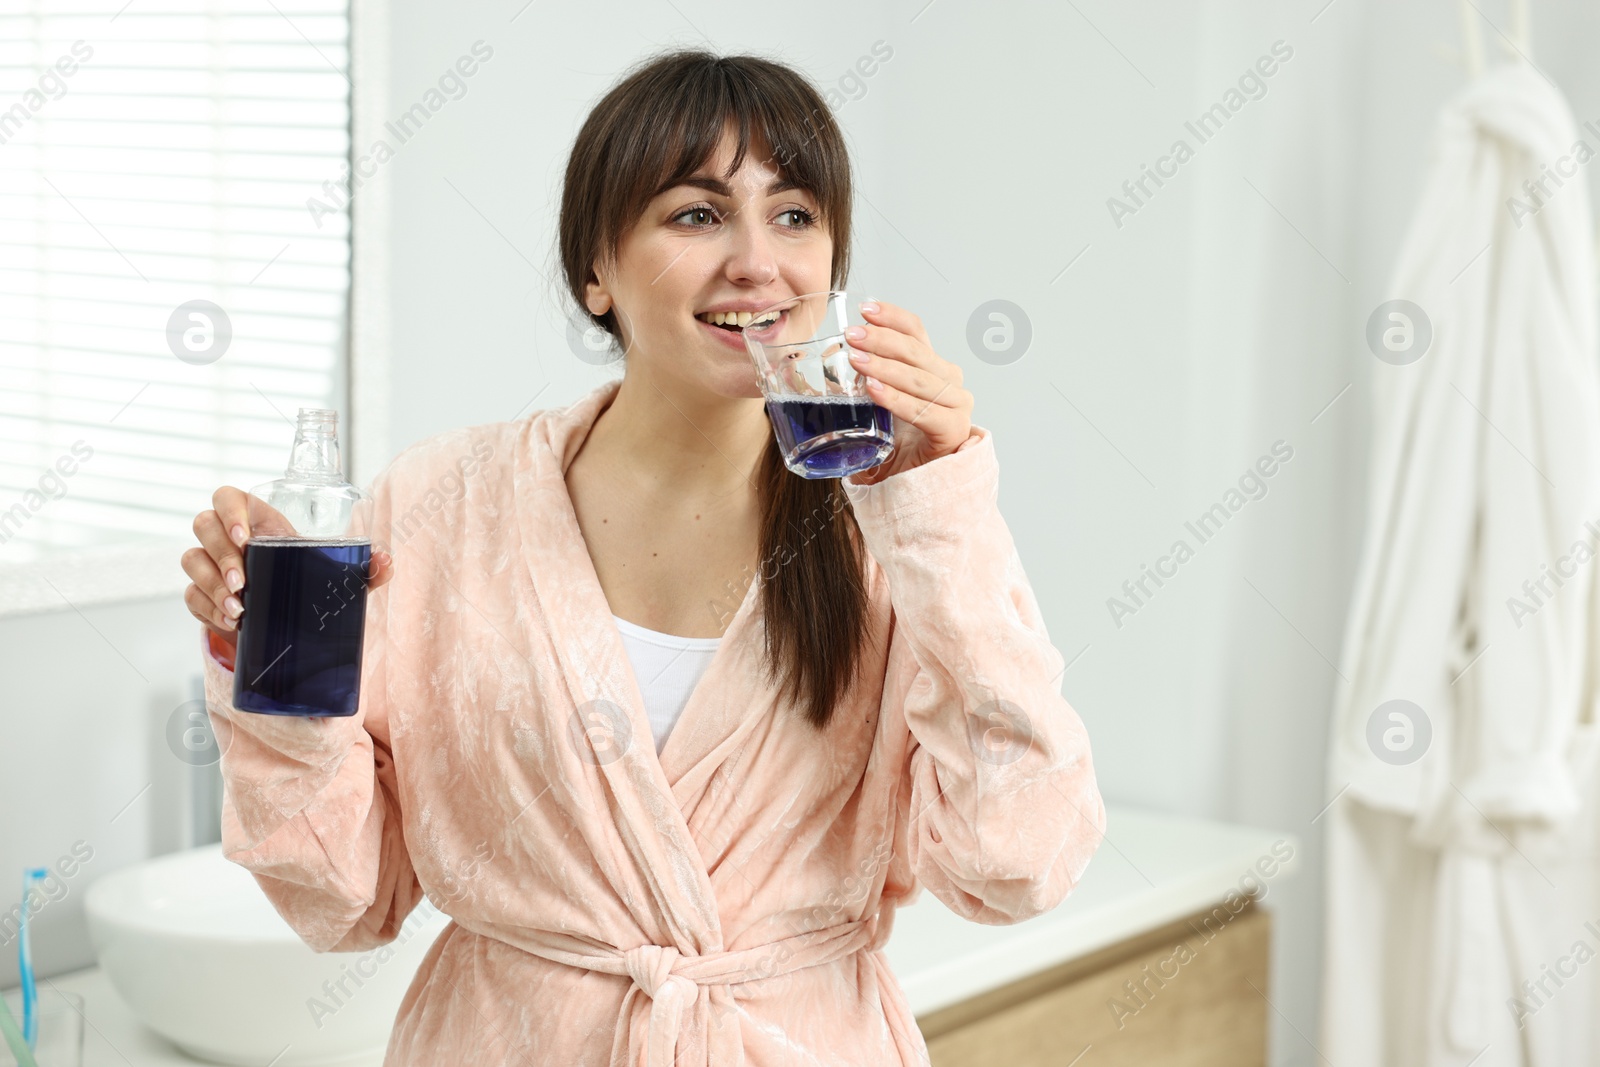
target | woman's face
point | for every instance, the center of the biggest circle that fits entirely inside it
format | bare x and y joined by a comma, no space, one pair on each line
708,246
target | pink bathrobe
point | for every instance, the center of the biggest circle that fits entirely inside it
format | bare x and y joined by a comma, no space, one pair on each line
722,904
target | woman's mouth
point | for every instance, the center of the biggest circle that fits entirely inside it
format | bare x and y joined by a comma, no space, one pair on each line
728,327
738,321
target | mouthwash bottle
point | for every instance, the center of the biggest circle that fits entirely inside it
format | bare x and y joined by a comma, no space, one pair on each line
306,567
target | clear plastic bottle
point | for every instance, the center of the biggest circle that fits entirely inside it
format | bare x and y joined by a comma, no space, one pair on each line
306,568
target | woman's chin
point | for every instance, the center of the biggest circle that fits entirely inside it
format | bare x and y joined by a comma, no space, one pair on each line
733,381
723,375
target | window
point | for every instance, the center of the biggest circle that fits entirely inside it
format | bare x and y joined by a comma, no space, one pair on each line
174,258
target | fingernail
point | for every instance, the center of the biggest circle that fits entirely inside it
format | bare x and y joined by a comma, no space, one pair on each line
233,607
235,581
230,624
856,333
873,383
869,307
238,535
859,357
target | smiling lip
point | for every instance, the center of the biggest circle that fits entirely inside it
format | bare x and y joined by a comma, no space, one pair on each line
743,305
732,338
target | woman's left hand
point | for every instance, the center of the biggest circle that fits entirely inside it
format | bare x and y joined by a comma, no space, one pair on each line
932,412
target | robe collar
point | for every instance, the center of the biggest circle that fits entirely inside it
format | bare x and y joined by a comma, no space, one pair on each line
731,693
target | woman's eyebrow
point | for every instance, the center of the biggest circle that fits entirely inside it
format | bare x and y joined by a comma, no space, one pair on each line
721,188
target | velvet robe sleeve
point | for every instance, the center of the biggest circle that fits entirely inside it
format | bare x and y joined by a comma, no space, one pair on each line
311,805
1003,811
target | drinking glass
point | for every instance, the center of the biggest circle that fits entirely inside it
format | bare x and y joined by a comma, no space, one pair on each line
826,424
58,1041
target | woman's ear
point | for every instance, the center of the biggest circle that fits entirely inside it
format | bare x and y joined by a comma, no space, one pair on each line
595,297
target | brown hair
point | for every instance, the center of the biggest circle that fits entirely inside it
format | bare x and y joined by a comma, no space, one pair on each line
653,129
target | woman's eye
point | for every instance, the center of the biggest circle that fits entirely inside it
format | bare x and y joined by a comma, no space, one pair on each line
801,217
695,211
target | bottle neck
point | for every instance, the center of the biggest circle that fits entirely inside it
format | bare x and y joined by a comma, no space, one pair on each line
315,454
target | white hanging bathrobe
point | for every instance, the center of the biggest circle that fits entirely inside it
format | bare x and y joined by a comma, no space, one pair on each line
1463,919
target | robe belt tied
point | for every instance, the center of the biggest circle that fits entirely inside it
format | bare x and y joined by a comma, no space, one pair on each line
673,981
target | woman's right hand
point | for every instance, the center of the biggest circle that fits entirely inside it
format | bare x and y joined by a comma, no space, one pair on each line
216,567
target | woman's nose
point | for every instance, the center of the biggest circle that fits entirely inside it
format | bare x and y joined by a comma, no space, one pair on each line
751,256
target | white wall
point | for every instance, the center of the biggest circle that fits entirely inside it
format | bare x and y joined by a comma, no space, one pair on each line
986,149
1224,315
84,755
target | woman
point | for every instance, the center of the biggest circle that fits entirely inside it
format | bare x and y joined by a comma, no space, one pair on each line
881,709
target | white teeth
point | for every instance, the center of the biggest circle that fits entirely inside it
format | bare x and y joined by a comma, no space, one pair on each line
741,319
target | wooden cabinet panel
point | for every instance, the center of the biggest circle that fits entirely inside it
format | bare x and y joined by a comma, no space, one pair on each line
1180,996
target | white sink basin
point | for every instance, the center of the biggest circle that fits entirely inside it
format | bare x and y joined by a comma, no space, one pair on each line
194,947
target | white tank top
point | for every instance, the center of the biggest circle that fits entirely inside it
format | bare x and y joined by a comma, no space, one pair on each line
667,668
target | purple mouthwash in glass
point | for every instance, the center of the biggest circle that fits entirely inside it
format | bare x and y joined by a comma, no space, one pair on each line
823,419
305,594
830,436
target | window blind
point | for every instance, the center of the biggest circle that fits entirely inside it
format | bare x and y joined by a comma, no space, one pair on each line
156,162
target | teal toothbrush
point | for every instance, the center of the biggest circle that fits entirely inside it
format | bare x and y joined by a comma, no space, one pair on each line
30,994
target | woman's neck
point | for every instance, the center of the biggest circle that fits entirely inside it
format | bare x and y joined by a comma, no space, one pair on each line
685,438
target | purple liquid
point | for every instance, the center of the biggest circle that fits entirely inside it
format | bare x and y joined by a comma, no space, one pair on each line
831,436
299,649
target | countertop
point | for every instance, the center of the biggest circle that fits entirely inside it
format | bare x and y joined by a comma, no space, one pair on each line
1151,869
